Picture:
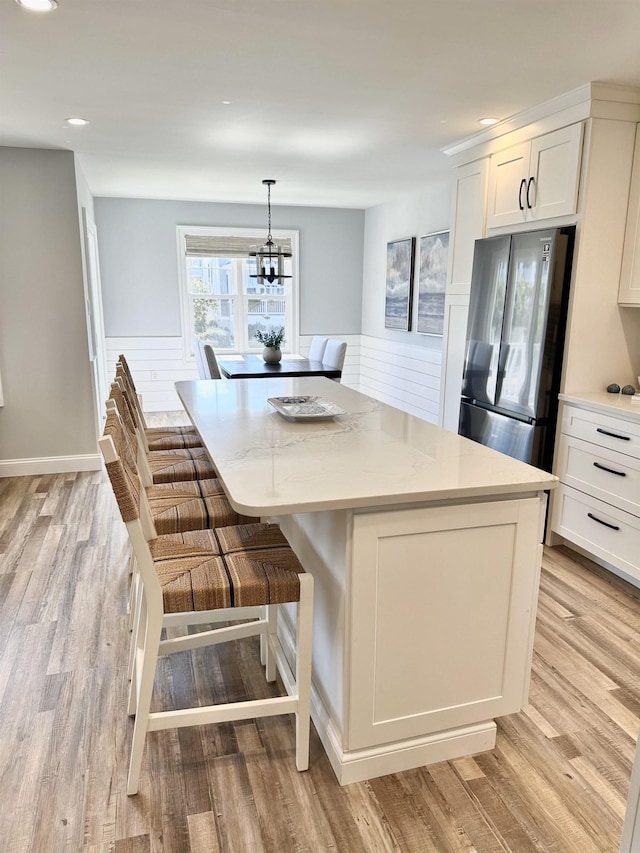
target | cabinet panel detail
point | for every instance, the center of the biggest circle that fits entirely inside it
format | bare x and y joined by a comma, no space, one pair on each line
535,180
629,292
468,576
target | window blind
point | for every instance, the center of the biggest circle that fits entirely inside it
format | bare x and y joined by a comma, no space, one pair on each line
225,246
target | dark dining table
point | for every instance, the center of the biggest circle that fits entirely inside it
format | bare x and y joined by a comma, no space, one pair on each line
253,367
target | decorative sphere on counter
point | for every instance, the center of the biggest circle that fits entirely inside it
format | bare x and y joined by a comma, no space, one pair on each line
613,388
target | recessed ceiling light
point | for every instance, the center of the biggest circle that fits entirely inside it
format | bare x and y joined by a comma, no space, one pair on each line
488,120
76,121
38,5
226,102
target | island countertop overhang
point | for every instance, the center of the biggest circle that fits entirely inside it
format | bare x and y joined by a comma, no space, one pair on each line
374,455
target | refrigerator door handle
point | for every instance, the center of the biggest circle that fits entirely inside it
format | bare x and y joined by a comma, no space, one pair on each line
522,183
529,183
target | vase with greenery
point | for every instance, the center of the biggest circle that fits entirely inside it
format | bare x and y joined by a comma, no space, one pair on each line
271,341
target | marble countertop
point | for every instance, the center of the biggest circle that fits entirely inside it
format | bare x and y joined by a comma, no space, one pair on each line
374,455
620,405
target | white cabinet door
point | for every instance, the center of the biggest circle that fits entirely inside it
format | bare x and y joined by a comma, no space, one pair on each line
508,176
552,188
629,293
456,312
442,612
468,215
535,180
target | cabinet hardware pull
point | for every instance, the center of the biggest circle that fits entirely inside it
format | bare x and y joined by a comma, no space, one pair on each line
609,470
613,434
529,182
522,183
600,521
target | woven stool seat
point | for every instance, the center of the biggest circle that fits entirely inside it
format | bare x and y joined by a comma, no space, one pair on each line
209,582
214,542
168,438
191,488
176,513
246,537
169,468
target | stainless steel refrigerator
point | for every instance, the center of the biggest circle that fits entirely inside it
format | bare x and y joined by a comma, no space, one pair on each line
515,341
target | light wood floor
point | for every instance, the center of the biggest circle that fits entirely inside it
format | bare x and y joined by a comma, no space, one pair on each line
556,782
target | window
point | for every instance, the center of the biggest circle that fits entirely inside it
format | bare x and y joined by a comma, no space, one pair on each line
221,303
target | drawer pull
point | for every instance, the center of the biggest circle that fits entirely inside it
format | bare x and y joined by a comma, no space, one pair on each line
609,470
613,434
600,521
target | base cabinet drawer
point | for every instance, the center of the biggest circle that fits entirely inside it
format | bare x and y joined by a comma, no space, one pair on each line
605,531
616,434
609,476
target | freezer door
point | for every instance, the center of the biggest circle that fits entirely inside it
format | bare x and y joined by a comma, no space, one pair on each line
508,435
486,309
526,354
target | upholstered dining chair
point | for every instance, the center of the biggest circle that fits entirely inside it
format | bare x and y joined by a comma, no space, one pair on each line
206,361
317,348
201,579
334,354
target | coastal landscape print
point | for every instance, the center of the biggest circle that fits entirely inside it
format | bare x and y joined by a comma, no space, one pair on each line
397,310
432,279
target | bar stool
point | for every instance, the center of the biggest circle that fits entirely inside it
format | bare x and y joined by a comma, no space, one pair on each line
157,438
203,578
159,466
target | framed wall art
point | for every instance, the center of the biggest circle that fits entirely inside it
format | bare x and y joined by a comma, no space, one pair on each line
399,290
432,279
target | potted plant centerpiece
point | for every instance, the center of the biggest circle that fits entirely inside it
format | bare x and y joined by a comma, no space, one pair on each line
271,341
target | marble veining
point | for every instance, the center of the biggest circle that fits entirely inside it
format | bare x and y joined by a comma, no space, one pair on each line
373,455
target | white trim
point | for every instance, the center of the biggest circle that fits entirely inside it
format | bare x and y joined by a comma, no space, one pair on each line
50,465
259,233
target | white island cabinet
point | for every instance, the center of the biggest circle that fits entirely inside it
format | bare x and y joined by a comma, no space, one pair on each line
425,551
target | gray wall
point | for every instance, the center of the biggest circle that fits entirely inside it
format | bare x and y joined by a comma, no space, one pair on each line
44,358
139,261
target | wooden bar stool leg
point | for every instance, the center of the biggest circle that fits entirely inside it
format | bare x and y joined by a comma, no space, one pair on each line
137,652
272,628
144,688
304,626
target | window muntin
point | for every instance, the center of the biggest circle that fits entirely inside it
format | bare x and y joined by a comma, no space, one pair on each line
224,305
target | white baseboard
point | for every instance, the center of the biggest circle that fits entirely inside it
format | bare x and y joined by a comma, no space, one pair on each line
50,465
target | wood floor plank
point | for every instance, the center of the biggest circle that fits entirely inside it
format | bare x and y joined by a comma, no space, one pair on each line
555,783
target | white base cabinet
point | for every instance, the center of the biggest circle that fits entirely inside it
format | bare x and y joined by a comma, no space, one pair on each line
423,627
597,507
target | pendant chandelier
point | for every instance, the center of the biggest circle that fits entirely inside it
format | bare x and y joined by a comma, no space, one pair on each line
269,257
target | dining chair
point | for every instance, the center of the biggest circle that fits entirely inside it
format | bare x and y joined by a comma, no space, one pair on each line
197,351
202,579
334,354
155,438
317,348
210,361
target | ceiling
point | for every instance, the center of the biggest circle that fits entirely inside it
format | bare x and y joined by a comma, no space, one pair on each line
344,102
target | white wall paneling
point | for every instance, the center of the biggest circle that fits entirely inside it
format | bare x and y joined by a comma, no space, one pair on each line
404,376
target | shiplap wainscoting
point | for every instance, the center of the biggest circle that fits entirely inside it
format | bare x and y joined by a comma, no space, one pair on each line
401,375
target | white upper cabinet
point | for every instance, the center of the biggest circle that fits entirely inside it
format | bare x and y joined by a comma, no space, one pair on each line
535,180
629,293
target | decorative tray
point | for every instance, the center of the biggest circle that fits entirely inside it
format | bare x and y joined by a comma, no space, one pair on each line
301,408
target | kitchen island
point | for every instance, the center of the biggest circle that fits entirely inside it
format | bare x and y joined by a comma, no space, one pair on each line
425,551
